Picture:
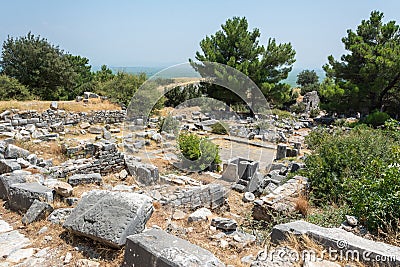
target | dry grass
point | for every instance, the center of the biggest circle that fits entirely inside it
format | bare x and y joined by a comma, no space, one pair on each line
391,235
73,106
302,205
303,242
46,150
200,233
62,242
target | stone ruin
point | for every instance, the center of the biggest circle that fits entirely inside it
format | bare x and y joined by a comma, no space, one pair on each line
284,150
311,100
241,172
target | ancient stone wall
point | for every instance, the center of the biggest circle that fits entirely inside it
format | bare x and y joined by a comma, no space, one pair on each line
103,158
12,118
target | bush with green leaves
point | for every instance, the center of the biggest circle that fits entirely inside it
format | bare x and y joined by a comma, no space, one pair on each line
121,87
282,114
329,215
375,196
376,118
314,112
199,152
12,89
359,168
298,107
220,128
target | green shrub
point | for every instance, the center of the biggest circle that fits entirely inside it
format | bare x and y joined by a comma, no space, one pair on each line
314,112
283,114
329,216
376,118
220,128
358,168
298,107
11,88
198,153
375,196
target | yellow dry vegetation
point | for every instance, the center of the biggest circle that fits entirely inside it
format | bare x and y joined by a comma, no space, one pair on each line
73,106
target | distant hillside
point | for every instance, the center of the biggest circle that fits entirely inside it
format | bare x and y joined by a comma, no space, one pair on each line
186,71
293,76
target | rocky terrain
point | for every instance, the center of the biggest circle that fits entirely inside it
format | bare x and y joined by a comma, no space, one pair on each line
99,189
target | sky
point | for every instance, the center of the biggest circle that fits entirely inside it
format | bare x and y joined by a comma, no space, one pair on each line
164,33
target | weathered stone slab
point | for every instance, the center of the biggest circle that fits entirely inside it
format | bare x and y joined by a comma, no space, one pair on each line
21,196
58,216
110,216
9,165
281,151
230,172
225,224
157,248
37,211
281,199
5,227
14,152
145,174
90,178
95,130
7,180
11,242
201,214
341,240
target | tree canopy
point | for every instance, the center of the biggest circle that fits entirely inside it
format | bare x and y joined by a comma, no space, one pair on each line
308,80
368,76
234,45
46,70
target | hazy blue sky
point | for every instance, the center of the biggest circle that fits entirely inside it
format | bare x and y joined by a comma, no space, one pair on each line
154,33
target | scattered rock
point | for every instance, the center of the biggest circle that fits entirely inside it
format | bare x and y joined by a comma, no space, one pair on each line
9,165
178,215
23,163
85,125
110,216
14,152
67,258
224,224
71,200
123,174
351,220
63,189
106,135
158,248
54,105
58,216
90,178
248,197
86,263
95,130
201,214
36,212
21,196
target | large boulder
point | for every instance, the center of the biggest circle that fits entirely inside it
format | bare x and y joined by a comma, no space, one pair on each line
14,152
339,240
157,248
9,165
110,216
21,196
90,178
37,211
8,179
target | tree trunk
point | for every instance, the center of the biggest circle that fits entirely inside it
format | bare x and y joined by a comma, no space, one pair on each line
386,90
